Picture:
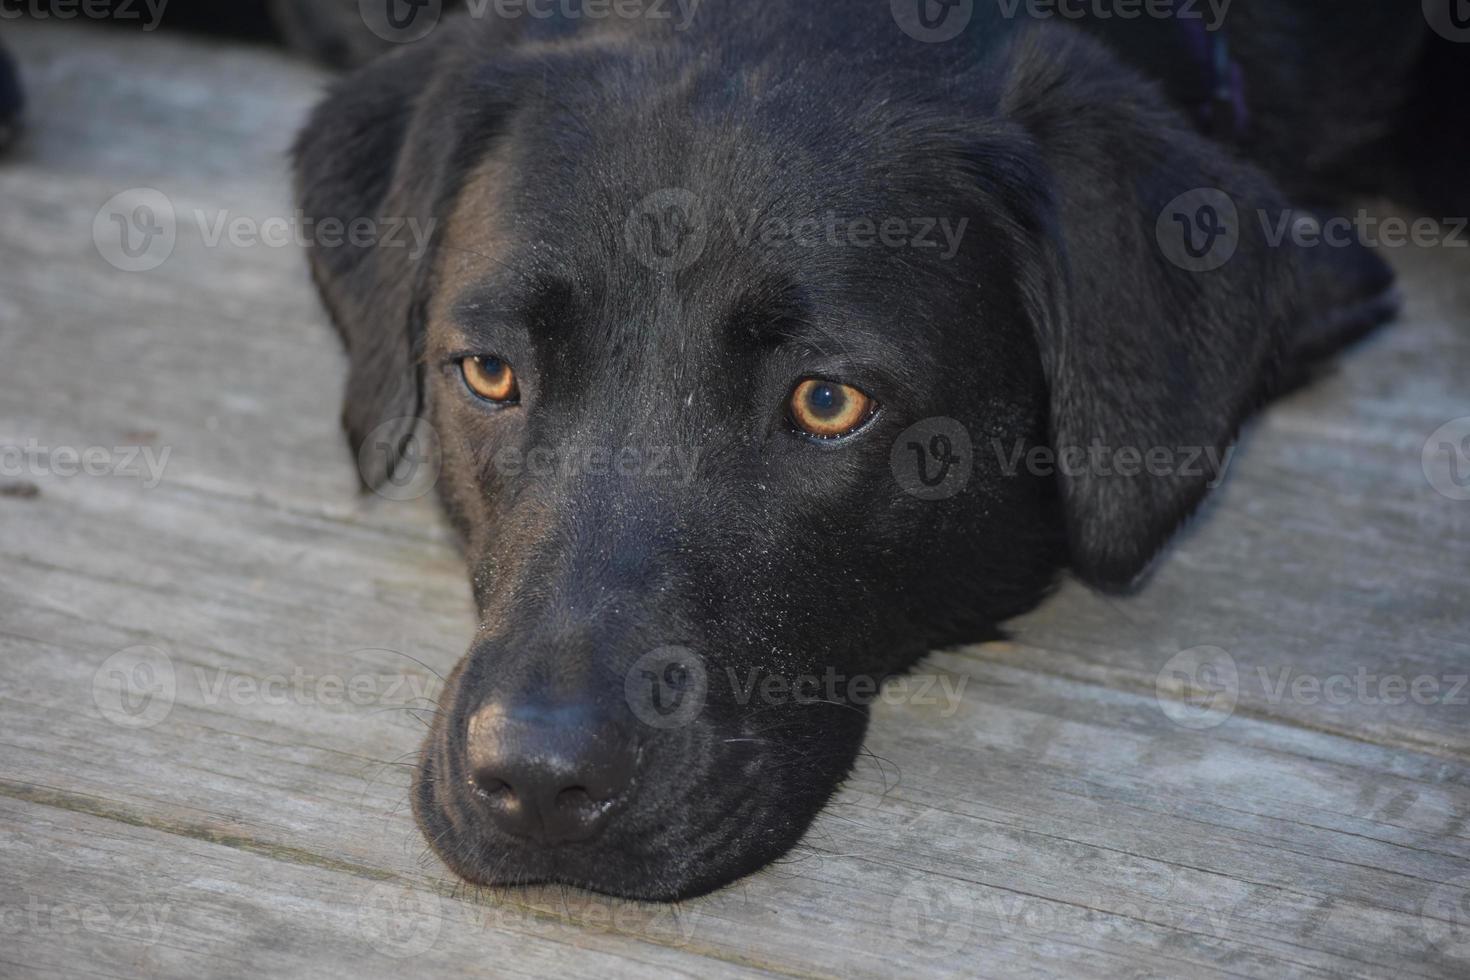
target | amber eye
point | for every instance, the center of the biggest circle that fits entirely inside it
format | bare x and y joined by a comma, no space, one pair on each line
829,410
491,379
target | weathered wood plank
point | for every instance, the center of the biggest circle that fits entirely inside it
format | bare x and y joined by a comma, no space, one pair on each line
1329,568
74,902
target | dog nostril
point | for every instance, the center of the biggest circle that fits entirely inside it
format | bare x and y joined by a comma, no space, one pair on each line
574,798
493,788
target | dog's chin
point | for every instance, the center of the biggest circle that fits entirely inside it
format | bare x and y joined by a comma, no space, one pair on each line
702,837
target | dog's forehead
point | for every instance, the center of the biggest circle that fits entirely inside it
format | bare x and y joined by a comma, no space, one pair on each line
701,231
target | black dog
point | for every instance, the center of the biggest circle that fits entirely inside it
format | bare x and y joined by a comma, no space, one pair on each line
722,241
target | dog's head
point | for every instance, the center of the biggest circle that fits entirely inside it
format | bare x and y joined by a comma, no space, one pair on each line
741,359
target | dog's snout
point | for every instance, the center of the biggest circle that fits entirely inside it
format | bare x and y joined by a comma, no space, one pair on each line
551,775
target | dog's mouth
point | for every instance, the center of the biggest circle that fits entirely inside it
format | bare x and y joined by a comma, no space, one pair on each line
705,803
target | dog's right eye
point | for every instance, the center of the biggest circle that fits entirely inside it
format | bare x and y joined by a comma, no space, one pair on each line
490,378
829,410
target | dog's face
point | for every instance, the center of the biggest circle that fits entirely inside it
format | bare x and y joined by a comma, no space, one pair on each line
668,440
694,339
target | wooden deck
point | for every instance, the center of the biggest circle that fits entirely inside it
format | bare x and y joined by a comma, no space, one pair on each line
1082,813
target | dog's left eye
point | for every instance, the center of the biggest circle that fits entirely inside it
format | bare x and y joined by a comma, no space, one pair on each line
491,378
829,410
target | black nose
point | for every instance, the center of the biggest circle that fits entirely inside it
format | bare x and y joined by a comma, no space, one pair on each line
551,774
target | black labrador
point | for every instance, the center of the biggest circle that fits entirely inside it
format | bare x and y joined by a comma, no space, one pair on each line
765,349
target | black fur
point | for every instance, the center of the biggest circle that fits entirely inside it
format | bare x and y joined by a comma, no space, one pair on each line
1057,322
12,99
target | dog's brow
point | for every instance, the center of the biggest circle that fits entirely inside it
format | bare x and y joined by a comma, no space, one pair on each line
490,306
774,317
841,345
840,339
786,316
482,305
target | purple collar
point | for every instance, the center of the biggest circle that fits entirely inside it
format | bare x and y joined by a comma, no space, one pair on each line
1224,114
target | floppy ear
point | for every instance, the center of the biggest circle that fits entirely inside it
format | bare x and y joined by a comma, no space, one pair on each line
1164,313
377,162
